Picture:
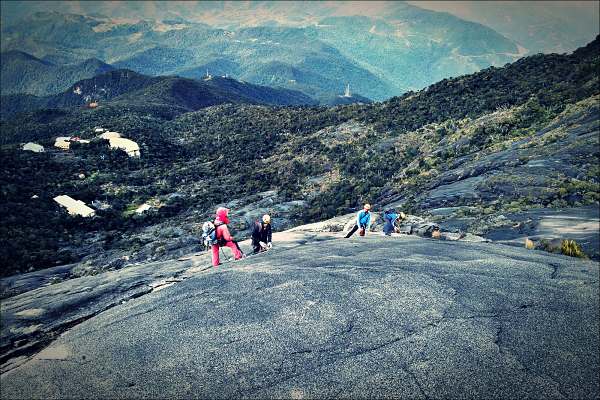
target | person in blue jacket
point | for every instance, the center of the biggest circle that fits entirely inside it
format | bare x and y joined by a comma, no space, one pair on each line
389,216
363,221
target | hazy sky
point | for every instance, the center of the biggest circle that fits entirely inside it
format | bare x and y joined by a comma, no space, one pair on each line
538,25
472,10
468,9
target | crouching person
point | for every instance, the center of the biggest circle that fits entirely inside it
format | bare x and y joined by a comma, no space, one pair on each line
363,221
224,238
262,235
390,216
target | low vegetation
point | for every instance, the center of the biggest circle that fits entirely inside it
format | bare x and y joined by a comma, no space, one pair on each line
333,158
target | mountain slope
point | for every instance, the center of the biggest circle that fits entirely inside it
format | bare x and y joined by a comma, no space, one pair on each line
395,48
283,57
315,316
158,61
23,73
193,94
487,147
126,86
540,26
102,87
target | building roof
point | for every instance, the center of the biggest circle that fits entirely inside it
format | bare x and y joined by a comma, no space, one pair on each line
36,148
75,207
63,142
142,208
110,135
129,146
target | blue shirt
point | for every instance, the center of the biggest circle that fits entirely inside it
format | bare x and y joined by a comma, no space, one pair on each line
390,218
363,219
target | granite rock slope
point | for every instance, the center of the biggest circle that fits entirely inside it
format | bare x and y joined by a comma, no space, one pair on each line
363,317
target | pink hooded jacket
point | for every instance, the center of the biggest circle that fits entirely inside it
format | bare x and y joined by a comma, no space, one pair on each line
221,225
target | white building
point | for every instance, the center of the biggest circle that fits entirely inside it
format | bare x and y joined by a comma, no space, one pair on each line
36,148
128,146
75,207
110,135
98,130
63,142
143,208
347,92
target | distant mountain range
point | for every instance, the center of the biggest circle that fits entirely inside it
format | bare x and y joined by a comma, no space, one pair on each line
379,54
539,26
24,73
129,87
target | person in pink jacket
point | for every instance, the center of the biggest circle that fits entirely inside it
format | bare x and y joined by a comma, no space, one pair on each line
224,237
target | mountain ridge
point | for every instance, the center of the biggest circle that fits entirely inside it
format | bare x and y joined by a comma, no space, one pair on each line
452,46
125,85
478,153
23,73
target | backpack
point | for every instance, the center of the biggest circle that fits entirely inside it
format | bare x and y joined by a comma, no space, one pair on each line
426,229
209,235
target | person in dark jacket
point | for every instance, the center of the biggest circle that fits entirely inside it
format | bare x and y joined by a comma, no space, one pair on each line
262,235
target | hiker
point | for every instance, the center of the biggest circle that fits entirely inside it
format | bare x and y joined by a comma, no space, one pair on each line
261,235
389,216
363,221
224,237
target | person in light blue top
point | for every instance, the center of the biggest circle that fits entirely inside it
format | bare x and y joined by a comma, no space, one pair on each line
390,217
363,221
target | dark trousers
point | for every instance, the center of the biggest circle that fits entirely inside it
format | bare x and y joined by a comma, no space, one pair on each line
256,247
354,229
238,247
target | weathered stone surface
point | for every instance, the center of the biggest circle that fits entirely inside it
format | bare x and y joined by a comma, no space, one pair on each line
362,317
553,170
581,224
60,302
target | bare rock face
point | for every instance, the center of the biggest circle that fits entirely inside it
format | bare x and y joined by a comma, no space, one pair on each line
410,225
318,316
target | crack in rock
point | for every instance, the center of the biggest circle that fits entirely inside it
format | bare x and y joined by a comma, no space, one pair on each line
554,273
407,369
526,370
304,351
